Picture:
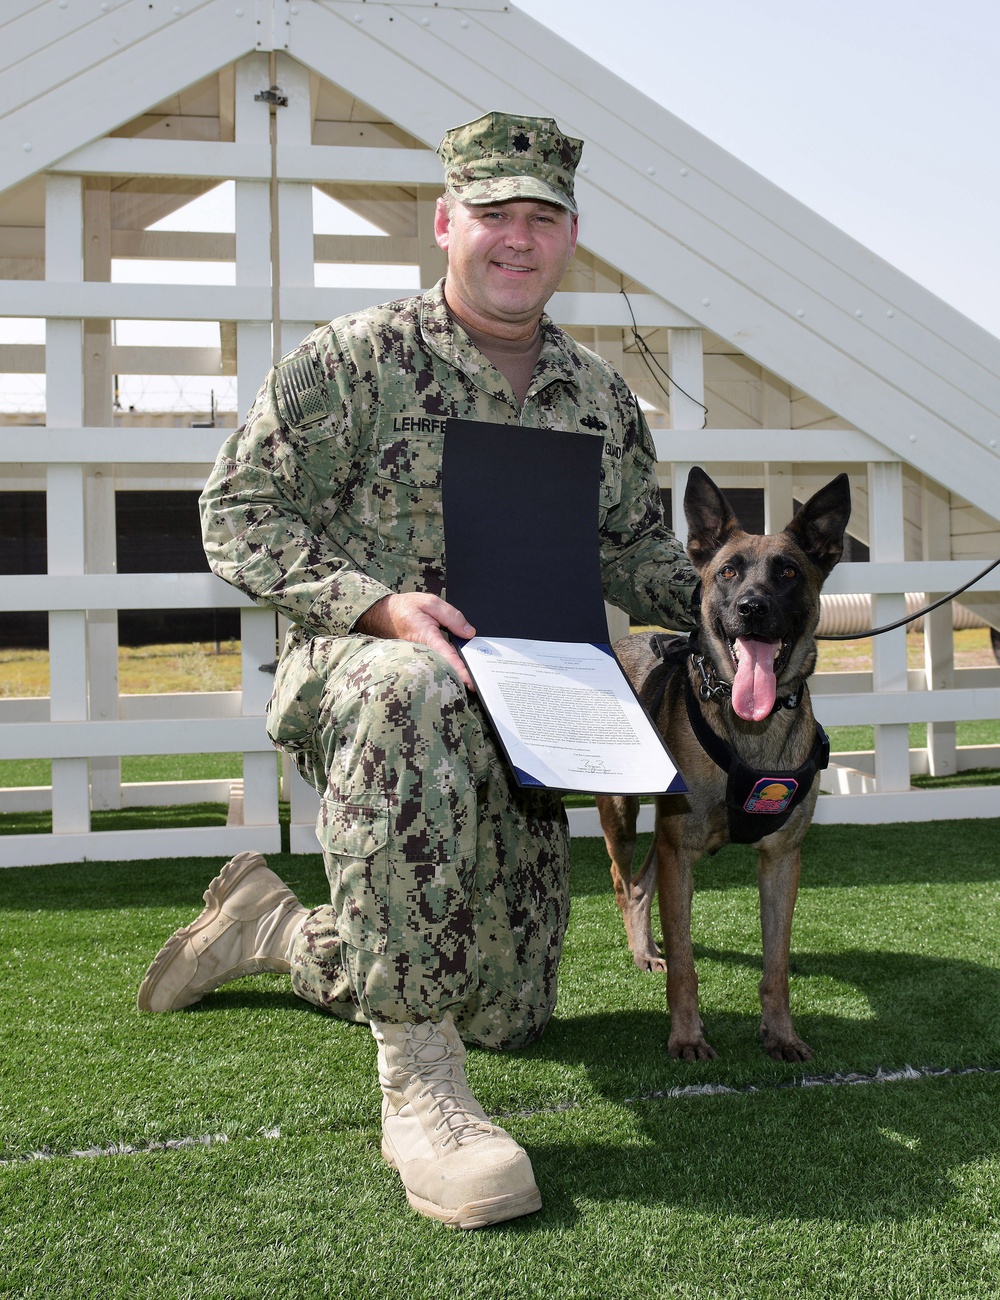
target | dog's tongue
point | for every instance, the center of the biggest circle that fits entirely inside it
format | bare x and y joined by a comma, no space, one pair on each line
754,688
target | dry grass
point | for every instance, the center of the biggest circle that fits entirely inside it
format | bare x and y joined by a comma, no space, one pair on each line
142,670
198,666
972,650
154,669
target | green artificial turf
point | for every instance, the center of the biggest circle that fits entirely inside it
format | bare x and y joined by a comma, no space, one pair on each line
849,740
135,767
234,1147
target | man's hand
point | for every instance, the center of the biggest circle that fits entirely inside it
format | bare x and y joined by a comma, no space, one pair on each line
419,617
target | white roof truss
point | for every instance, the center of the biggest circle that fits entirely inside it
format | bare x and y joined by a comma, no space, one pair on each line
718,245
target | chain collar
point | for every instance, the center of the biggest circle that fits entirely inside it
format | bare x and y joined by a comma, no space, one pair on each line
712,687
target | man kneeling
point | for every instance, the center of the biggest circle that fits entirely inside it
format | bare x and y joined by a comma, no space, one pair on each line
449,885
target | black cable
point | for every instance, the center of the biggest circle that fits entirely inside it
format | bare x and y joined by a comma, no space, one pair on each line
901,622
649,357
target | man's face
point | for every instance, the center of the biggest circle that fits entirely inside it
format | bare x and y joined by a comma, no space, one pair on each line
505,260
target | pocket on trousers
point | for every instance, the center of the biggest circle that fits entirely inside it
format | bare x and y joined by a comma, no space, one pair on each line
292,710
356,839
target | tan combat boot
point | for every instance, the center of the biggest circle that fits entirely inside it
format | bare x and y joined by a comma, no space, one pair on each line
248,920
455,1165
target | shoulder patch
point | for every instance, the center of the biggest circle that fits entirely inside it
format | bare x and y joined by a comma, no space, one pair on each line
301,388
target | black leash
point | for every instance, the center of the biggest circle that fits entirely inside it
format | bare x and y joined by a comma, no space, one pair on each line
902,622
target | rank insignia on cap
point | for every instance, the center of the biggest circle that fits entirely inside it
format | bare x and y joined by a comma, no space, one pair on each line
502,156
522,141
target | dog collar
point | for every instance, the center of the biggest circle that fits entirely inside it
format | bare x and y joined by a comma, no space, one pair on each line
713,687
674,650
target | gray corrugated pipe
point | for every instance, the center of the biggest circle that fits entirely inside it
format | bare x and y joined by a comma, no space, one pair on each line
842,614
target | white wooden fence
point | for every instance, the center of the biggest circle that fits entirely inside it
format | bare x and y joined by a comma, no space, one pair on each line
86,725
81,723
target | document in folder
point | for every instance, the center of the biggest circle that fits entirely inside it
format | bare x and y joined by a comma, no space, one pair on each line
523,565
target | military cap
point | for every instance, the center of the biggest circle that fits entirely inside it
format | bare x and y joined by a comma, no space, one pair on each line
500,156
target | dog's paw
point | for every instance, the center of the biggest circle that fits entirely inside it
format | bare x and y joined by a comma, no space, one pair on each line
790,1048
650,959
697,1049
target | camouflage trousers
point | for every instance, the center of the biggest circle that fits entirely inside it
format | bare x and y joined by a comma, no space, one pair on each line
449,885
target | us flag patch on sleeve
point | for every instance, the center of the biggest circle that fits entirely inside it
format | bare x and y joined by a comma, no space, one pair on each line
301,388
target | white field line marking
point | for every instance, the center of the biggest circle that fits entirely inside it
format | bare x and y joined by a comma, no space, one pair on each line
907,1074
126,1149
682,1091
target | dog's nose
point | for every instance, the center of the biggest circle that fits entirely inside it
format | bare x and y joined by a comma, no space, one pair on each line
752,608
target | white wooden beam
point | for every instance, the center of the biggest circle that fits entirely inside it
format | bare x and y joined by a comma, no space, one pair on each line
907,806
73,301
99,494
123,846
77,740
889,675
939,637
776,410
802,446
258,646
216,160
34,298
27,444
67,590
295,207
253,231
687,393
65,514
892,709
118,63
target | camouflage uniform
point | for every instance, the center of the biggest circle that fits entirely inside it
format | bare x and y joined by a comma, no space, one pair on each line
449,887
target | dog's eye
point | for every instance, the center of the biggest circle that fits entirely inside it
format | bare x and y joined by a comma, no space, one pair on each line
789,572
727,572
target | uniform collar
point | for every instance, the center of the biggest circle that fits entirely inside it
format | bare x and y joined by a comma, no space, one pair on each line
445,337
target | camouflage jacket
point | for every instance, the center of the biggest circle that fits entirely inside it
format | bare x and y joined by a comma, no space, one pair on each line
329,497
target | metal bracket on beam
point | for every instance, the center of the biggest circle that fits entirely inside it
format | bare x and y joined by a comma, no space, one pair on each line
272,96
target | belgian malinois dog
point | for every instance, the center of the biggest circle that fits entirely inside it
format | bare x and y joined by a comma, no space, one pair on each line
736,716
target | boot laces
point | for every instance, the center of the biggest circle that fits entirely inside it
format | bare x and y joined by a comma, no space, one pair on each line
432,1061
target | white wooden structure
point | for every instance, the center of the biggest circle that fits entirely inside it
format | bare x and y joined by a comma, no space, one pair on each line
810,354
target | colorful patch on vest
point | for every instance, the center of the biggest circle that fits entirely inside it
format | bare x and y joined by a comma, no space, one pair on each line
771,795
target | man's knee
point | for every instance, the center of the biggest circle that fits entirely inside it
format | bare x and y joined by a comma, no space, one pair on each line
505,1026
378,667
340,701
397,718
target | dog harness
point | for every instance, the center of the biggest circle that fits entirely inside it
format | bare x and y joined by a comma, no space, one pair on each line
758,801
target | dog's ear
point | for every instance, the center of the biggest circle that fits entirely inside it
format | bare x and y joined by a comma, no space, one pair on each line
819,526
710,517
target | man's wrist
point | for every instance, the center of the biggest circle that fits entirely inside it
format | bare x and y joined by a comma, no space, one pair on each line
375,619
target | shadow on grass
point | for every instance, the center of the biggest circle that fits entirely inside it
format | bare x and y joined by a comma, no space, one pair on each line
864,1155
772,1147
923,1010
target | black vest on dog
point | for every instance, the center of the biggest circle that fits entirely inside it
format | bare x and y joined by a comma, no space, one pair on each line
758,802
